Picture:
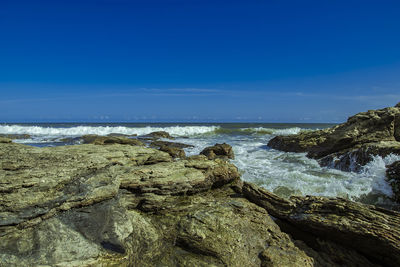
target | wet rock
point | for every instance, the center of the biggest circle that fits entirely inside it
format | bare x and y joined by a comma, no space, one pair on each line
121,135
71,140
350,145
393,175
108,140
223,151
355,158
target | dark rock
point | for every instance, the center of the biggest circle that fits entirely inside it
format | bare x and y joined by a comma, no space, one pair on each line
71,140
223,151
121,135
393,175
156,135
108,140
354,159
350,145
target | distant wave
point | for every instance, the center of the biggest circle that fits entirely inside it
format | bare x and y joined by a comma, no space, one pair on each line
287,131
260,131
104,130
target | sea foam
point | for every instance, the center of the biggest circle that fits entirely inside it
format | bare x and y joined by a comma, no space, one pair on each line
103,130
274,131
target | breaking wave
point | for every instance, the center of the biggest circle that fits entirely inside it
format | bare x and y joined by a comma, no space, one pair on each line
259,131
104,130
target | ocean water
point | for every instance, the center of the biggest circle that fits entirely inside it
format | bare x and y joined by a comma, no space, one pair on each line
283,173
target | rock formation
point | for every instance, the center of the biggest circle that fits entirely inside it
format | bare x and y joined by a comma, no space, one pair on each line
156,135
223,151
107,140
126,205
174,149
350,145
367,229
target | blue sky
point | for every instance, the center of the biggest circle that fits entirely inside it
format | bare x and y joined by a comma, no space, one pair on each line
260,61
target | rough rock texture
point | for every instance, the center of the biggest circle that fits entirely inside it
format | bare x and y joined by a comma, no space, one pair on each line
157,135
350,145
170,144
371,231
393,175
107,140
175,150
223,151
123,205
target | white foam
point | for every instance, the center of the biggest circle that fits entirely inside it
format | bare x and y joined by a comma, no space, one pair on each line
103,130
286,131
375,171
293,173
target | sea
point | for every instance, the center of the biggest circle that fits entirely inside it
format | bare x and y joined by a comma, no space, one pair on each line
284,173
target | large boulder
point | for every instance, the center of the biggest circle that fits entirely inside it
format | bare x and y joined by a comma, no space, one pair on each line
371,231
350,145
156,135
223,151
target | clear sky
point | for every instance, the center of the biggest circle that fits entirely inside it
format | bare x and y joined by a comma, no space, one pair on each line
197,60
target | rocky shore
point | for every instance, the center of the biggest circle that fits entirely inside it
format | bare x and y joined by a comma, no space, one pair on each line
351,145
119,203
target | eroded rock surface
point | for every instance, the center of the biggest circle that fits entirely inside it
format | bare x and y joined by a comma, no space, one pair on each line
124,205
223,151
107,140
156,135
350,145
174,149
371,231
